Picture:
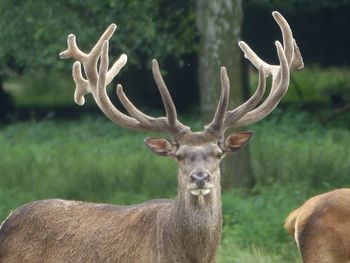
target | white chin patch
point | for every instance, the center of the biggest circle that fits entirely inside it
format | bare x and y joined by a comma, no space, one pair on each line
197,192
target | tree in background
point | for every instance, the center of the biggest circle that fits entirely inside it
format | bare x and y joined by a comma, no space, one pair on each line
219,23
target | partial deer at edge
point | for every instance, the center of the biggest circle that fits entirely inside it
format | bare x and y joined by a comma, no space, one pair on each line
321,227
187,229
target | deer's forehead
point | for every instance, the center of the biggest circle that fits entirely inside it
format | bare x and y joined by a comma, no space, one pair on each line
207,148
197,139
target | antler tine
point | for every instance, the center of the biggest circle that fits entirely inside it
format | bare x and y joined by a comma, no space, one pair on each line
287,36
239,112
97,80
291,49
103,100
131,109
255,60
278,90
164,92
169,124
97,49
73,51
138,121
114,70
217,123
90,66
297,62
89,62
156,124
82,85
290,59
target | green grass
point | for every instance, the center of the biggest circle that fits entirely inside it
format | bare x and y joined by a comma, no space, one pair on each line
293,147
91,159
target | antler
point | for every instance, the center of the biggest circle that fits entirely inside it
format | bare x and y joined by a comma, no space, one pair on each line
289,58
97,80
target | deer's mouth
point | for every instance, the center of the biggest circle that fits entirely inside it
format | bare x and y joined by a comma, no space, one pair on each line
196,191
202,191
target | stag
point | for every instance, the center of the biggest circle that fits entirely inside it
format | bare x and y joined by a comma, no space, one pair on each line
187,229
321,228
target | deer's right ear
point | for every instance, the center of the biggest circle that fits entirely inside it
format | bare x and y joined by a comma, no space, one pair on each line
159,146
237,140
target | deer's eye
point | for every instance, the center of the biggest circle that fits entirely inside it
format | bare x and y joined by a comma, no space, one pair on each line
179,157
219,155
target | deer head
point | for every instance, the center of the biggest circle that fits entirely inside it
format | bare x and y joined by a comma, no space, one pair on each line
198,154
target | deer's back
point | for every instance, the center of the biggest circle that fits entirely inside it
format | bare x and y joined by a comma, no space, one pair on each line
70,231
321,227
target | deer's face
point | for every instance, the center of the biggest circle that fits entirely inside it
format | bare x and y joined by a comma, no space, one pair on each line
199,157
199,166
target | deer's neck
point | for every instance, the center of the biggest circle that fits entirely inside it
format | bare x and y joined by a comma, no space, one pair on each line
197,221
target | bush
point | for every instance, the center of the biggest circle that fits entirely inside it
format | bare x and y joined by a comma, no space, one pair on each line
292,147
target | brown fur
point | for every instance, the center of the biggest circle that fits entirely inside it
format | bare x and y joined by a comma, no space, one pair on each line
289,224
322,227
186,230
70,231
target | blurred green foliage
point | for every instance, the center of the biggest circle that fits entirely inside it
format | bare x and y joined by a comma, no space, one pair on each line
42,89
315,85
319,85
33,32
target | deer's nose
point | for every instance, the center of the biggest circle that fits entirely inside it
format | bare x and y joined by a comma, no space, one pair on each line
199,178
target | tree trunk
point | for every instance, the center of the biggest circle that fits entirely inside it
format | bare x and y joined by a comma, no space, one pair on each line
219,23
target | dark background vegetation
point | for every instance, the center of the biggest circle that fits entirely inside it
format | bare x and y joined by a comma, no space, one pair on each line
51,148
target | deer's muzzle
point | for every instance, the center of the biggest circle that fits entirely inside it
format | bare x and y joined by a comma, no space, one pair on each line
200,177
200,182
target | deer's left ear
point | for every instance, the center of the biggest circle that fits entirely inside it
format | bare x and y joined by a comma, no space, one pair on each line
236,141
159,146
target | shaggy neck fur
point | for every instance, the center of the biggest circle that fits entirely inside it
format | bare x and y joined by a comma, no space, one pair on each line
197,221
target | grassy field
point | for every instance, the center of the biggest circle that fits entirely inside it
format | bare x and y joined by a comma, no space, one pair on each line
91,159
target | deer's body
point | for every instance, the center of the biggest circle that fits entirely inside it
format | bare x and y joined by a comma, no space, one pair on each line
186,230
70,231
321,228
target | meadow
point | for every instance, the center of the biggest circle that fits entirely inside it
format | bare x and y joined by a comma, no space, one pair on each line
91,159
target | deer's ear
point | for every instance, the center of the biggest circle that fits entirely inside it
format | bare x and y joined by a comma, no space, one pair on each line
236,141
159,146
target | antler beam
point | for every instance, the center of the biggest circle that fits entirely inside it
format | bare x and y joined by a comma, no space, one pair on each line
97,80
289,59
